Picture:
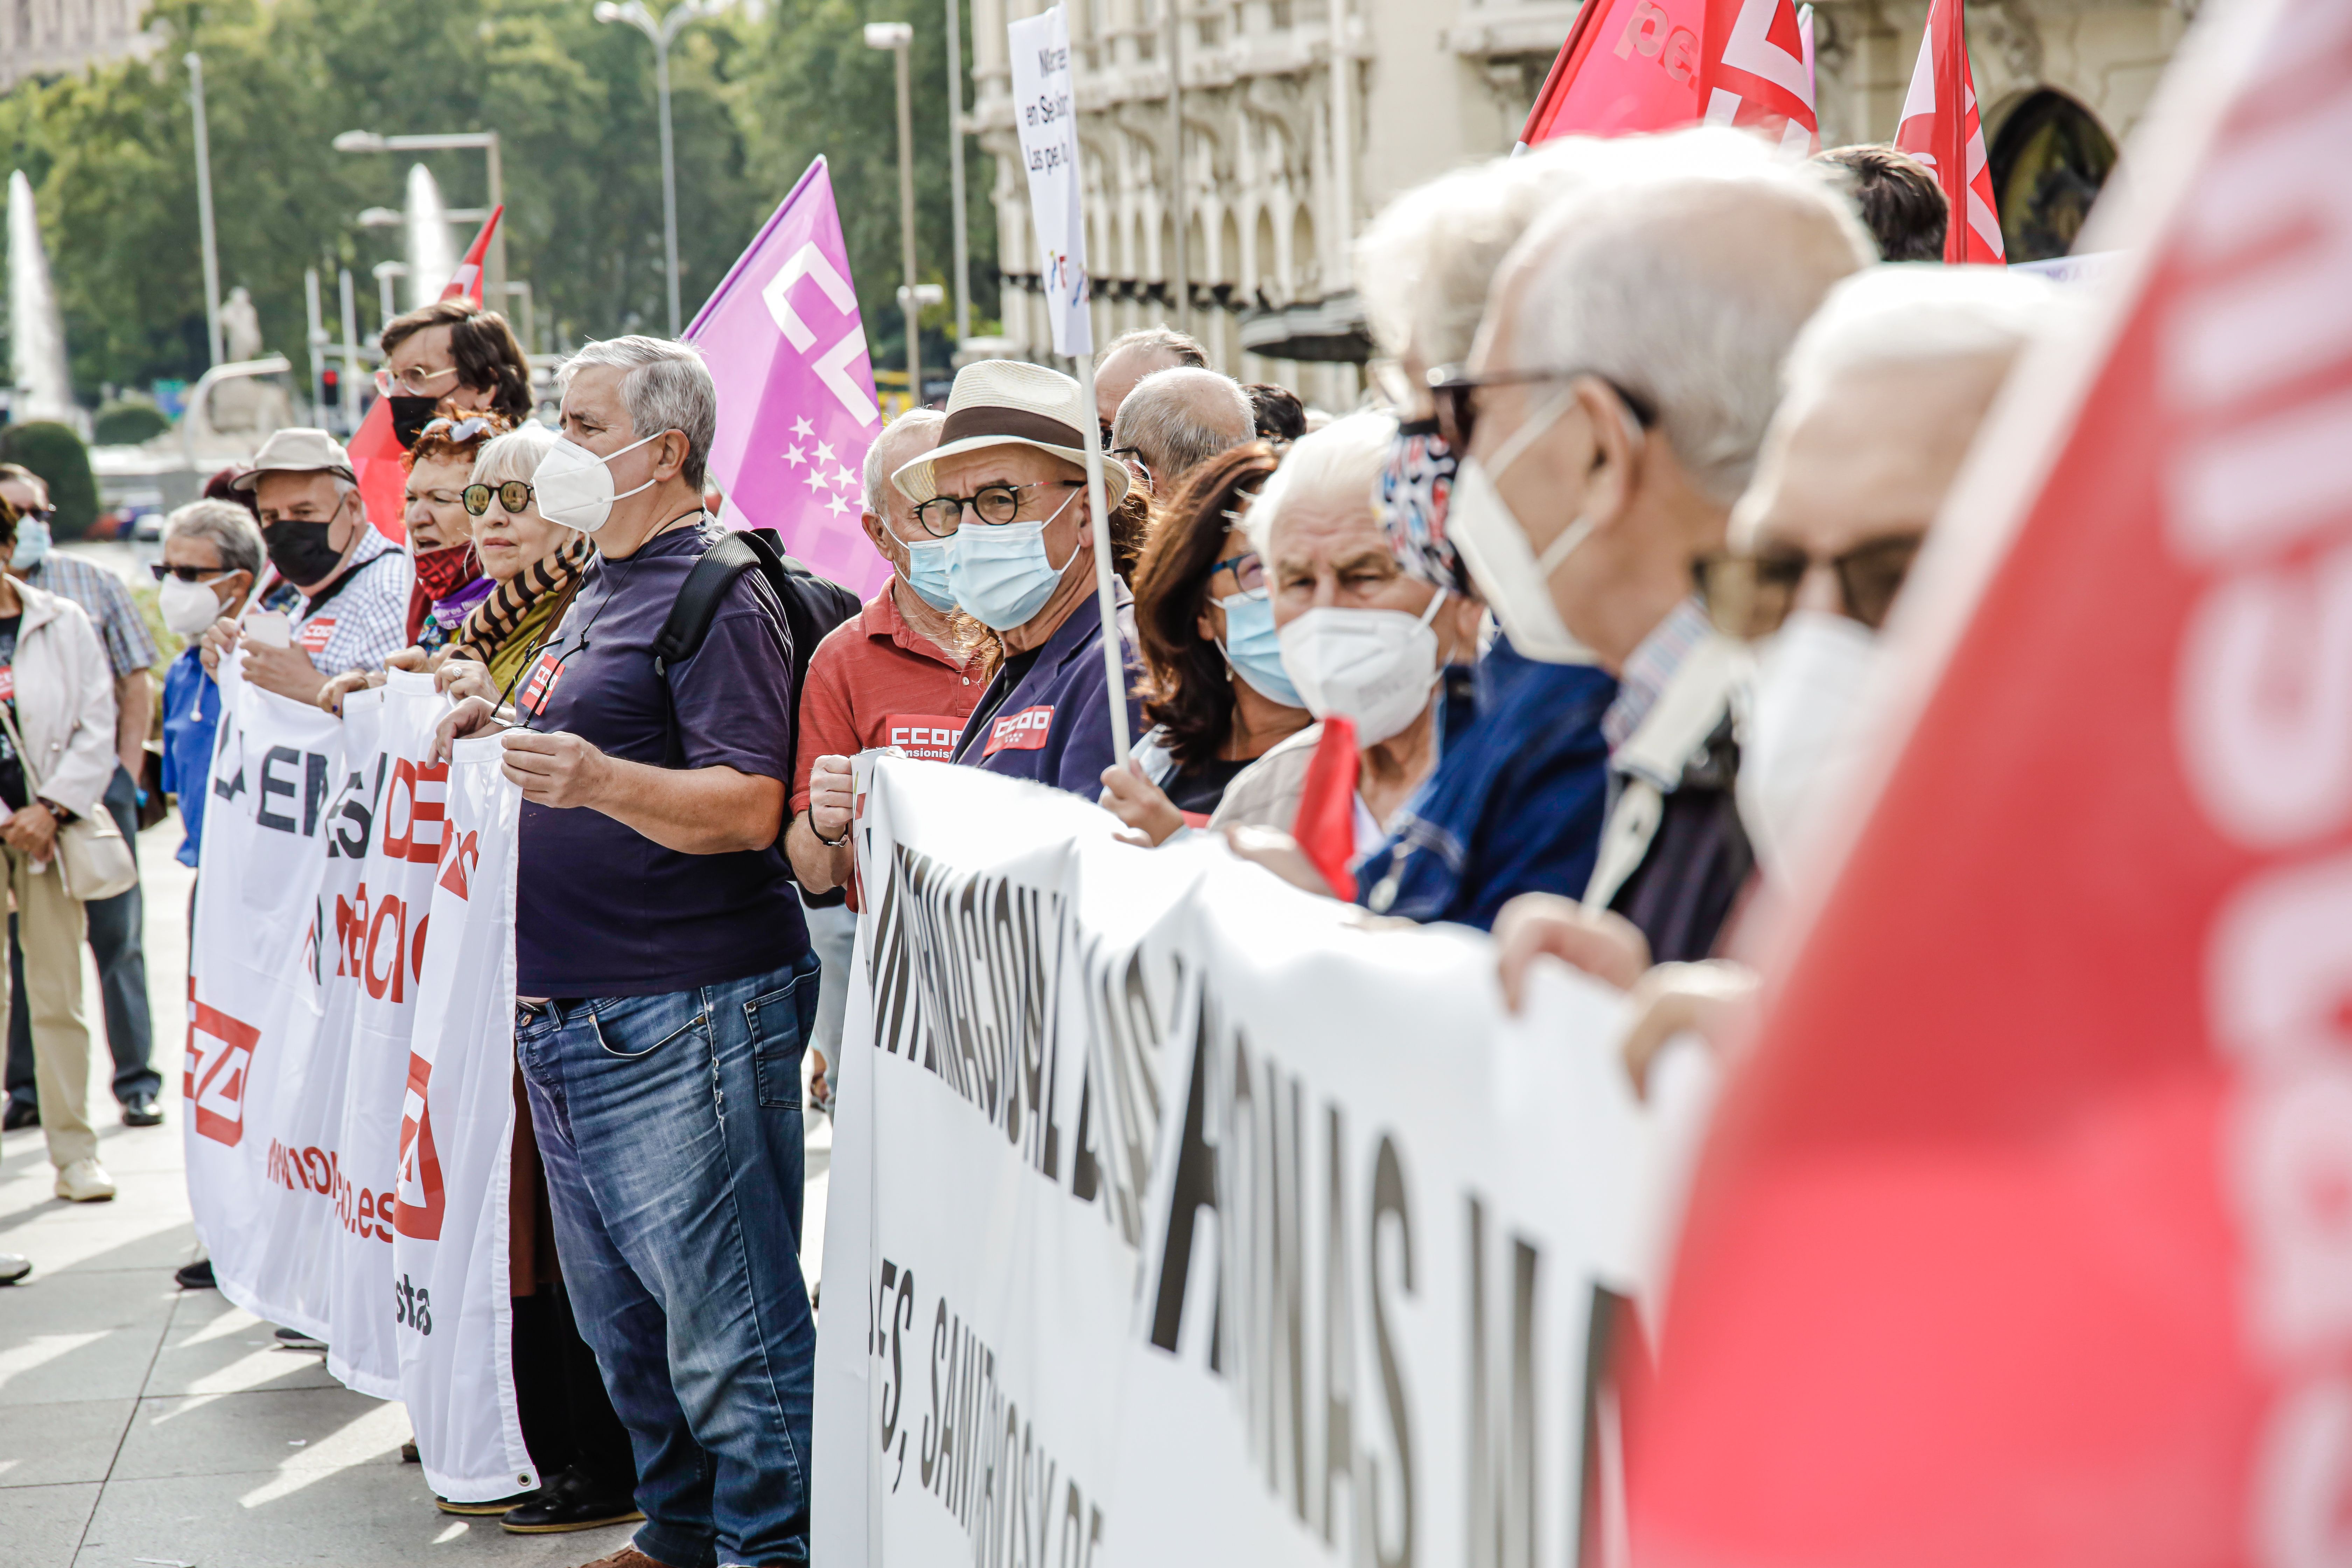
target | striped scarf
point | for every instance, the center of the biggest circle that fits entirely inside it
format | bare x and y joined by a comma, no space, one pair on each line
491,625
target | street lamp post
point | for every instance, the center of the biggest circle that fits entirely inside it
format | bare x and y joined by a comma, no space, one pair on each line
898,38
196,64
955,171
494,270
662,33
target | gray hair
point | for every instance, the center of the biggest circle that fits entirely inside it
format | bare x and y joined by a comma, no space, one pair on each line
1425,265
1344,457
1184,348
915,421
1683,279
1919,313
1181,417
513,456
667,387
230,528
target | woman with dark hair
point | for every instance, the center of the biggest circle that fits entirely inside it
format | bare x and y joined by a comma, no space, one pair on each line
452,351
1213,687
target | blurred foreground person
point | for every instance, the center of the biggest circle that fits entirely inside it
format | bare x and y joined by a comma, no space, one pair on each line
1885,390
1007,489
1177,419
663,978
1904,209
1626,370
1214,684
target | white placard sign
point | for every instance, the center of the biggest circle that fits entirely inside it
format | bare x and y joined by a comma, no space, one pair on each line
1044,115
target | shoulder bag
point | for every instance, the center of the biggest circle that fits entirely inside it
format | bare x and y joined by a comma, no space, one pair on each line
91,856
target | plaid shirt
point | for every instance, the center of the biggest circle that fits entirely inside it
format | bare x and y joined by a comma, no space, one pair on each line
1651,668
363,624
108,603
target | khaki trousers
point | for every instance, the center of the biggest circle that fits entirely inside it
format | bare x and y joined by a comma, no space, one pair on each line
49,929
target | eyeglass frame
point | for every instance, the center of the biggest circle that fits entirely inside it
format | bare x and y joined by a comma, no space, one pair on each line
1450,390
384,379
971,502
182,572
1843,565
497,492
1234,564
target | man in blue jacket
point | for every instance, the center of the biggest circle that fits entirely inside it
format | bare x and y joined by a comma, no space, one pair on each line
1007,490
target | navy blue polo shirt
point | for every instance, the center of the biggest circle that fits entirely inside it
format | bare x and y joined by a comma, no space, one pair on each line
601,910
1044,715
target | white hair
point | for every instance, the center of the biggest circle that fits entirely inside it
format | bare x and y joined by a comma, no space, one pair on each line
915,421
1179,418
1915,312
1424,266
1344,457
1681,278
667,387
229,527
513,456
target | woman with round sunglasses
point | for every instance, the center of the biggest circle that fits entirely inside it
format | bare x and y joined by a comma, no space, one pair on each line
532,563
1213,687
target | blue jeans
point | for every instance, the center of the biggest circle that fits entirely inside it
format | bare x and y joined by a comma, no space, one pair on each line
670,1129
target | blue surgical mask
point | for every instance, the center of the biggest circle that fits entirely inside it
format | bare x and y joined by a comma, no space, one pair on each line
927,571
32,543
999,572
1255,649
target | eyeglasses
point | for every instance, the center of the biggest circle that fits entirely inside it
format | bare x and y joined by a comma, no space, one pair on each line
1456,395
1249,574
943,515
409,383
1750,596
515,495
189,573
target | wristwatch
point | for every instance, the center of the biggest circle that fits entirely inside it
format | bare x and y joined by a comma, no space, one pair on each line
830,843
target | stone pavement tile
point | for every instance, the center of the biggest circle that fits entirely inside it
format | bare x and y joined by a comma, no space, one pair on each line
370,1517
44,1523
67,1336
215,1346
45,1444
118,1237
298,1429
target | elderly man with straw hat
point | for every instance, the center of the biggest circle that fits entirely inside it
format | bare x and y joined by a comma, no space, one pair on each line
1005,491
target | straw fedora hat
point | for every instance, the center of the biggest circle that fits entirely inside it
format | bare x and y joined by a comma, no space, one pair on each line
1004,402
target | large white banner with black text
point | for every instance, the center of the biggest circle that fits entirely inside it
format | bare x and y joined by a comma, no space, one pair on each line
1202,1220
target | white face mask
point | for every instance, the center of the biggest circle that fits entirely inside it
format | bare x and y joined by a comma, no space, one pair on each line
187,608
574,486
1374,666
1799,746
1515,580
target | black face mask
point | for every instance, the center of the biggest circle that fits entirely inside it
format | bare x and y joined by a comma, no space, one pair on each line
410,415
300,552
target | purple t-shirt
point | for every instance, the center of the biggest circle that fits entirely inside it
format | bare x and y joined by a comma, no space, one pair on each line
1045,715
601,910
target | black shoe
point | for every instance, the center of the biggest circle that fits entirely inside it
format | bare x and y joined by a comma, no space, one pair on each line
20,1114
477,1509
14,1267
197,1276
569,1501
295,1340
141,1111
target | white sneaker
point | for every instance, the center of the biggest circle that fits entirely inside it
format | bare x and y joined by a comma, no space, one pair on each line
85,1181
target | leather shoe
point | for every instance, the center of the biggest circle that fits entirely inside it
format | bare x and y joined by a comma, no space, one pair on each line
570,1502
14,1267
197,1276
141,1111
626,1557
20,1114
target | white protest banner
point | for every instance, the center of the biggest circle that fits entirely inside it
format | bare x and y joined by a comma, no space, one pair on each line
449,1234
1309,1267
258,1085
1044,116
383,947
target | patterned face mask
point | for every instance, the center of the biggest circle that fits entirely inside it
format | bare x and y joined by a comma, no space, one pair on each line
1410,500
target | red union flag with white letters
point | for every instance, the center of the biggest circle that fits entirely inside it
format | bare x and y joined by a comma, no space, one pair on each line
2027,1236
1652,65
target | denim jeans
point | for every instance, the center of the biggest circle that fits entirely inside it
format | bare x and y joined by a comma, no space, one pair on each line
670,1129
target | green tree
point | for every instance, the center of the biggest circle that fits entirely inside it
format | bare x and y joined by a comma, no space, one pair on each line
57,454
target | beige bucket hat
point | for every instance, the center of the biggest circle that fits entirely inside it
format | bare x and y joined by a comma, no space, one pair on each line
1004,402
296,450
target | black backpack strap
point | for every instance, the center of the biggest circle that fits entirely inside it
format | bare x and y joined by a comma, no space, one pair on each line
699,597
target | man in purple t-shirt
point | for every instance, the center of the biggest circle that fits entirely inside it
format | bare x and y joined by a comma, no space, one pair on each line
663,973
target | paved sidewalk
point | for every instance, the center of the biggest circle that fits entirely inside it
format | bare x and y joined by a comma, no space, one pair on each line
143,1423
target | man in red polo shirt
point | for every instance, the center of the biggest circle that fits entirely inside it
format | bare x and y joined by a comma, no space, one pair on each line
906,673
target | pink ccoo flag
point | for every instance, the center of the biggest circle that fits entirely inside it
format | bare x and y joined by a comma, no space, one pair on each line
796,410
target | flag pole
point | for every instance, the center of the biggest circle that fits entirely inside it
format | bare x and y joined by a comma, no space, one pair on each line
1105,596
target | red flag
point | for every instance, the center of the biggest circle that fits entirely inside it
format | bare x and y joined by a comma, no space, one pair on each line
2025,1235
1940,128
1652,65
374,450
1324,827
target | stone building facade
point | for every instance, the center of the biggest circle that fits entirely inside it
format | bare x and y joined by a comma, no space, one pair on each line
59,37
1284,158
